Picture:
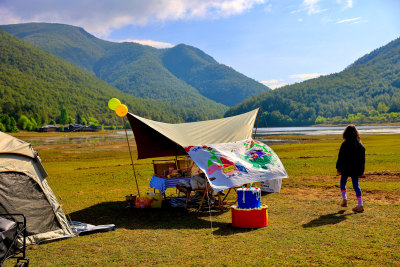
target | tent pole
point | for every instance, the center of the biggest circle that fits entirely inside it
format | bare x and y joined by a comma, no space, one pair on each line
130,154
258,118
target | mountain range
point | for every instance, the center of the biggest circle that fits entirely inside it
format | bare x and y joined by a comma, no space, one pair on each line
366,89
180,76
45,67
33,81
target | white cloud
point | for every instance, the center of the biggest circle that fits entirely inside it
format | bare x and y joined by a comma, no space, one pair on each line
269,82
346,3
305,76
273,87
152,43
349,3
310,6
358,19
101,16
326,20
6,15
273,84
268,8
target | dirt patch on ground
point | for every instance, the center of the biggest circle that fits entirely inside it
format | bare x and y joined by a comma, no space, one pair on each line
119,146
79,148
382,176
315,192
101,167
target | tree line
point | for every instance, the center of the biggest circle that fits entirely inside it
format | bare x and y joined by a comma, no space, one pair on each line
307,116
36,121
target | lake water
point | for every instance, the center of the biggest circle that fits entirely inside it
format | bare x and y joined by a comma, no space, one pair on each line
261,132
329,130
84,139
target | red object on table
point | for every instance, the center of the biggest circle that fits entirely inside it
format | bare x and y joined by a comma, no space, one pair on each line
250,218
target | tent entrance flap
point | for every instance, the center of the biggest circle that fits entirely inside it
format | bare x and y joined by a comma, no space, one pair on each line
22,194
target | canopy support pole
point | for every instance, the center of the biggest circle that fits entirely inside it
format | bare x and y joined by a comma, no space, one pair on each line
258,118
130,154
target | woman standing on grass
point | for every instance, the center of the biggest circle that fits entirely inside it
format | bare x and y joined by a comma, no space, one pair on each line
351,162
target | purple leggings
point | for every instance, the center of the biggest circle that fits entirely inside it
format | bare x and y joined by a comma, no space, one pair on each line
356,186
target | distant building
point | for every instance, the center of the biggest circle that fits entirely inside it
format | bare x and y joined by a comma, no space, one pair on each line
70,128
49,128
80,128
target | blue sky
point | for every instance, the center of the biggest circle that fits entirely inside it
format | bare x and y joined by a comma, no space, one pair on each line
274,42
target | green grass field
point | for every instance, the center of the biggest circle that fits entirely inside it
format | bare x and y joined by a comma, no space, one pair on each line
306,224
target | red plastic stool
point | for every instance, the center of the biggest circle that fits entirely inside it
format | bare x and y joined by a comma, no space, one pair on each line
250,218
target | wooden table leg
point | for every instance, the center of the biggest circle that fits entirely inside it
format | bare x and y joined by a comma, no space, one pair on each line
188,192
220,201
227,194
202,200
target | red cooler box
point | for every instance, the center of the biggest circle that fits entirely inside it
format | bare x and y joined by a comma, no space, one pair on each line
250,218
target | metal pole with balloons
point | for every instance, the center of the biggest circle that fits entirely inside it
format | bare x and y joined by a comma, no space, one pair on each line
121,110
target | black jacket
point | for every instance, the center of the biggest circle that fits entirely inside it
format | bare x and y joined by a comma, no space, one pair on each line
351,159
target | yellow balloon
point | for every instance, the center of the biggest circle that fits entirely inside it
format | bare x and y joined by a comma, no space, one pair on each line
113,103
121,110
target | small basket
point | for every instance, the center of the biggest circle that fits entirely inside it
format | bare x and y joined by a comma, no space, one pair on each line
130,197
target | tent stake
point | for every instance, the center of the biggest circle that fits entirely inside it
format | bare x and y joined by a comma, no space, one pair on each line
258,118
130,154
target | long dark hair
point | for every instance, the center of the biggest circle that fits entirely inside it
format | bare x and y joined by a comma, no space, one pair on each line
351,134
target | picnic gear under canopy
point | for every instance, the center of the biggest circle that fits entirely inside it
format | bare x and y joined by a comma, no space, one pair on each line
222,148
24,190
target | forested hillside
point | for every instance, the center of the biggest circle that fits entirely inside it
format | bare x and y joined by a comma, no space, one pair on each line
215,81
38,85
182,75
70,43
366,91
136,69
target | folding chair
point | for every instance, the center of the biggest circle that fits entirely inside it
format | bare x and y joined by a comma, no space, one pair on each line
12,230
207,191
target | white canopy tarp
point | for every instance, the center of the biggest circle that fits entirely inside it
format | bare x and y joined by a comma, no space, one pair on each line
158,139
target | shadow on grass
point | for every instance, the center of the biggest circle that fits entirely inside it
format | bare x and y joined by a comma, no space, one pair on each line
225,229
332,218
165,218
